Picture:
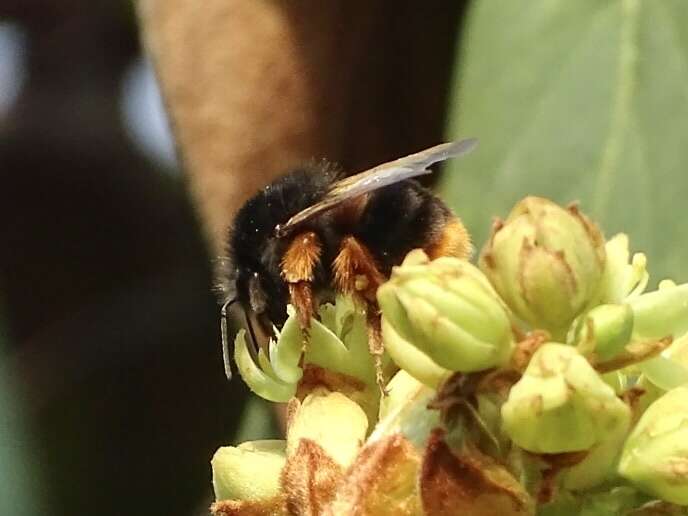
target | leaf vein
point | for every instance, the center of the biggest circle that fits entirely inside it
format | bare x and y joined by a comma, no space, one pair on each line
621,105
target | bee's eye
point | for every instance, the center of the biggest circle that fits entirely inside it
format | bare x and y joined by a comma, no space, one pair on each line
256,294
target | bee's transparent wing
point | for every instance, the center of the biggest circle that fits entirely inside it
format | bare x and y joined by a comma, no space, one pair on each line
378,177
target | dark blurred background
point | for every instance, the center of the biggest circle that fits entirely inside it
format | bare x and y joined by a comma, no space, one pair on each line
105,278
112,348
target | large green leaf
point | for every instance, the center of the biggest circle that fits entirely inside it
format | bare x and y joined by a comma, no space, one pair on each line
577,100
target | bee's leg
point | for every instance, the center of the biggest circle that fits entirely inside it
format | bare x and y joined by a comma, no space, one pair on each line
355,270
298,270
453,240
375,344
356,273
301,296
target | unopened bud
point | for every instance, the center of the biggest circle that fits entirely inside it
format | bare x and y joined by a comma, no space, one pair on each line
655,457
546,262
605,330
561,404
449,312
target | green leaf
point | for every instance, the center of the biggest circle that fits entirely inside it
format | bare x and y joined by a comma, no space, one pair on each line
582,100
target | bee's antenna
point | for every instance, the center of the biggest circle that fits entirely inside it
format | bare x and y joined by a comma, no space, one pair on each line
224,317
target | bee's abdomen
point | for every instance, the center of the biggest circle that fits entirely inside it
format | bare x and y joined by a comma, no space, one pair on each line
403,217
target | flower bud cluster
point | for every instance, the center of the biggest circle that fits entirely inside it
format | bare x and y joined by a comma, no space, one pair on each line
524,385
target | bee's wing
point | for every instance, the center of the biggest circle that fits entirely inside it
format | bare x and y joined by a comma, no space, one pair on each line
378,177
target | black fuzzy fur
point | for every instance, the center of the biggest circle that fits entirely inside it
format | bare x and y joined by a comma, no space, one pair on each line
395,220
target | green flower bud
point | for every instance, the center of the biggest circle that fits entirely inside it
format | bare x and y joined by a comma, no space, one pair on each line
655,457
250,471
599,465
605,330
408,357
447,310
561,404
546,262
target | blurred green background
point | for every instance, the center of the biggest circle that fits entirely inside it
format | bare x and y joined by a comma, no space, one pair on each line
112,393
577,101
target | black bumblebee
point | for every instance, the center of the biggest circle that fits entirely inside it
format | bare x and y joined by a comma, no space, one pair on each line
313,231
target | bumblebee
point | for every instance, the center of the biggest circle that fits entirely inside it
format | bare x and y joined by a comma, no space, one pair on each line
313,232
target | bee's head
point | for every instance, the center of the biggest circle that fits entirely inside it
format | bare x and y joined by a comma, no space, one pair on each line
242,286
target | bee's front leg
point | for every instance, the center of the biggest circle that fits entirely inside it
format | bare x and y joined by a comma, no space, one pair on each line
298,270
356,273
